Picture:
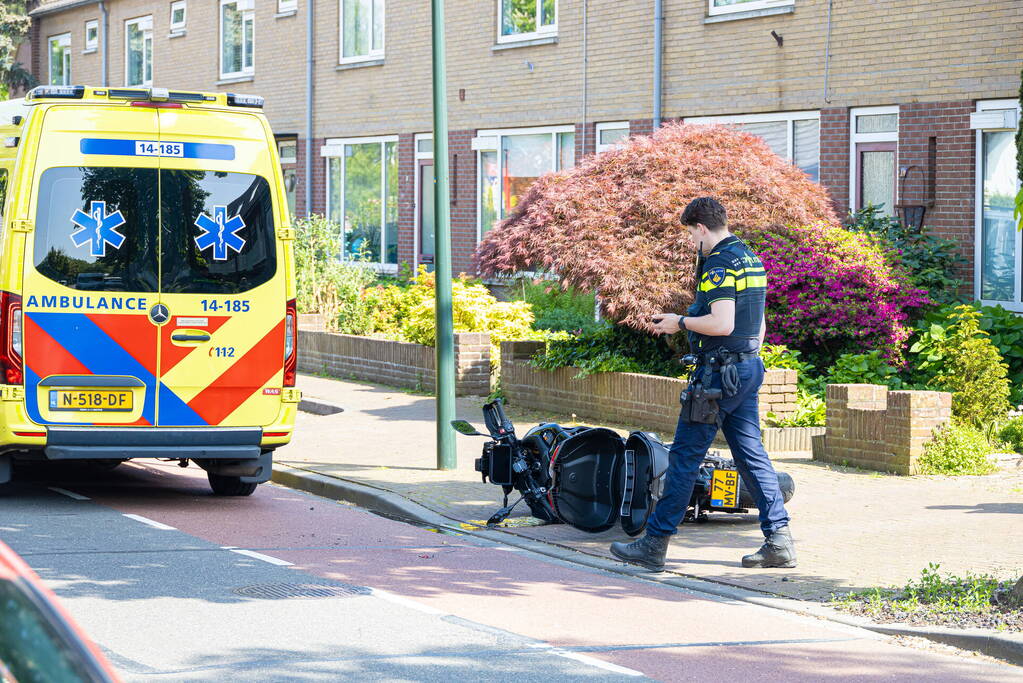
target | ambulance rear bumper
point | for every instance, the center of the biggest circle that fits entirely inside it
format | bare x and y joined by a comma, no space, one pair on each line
100,443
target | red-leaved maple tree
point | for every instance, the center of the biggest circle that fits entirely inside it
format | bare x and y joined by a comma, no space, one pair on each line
611,224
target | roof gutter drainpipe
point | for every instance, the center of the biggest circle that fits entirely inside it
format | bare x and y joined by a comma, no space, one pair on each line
309,108
658,51
106,42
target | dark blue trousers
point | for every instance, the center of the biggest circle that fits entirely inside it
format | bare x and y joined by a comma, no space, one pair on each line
740,422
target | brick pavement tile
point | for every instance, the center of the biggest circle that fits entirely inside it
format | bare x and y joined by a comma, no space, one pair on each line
853,529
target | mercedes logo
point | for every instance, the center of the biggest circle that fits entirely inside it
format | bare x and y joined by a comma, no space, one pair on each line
159,314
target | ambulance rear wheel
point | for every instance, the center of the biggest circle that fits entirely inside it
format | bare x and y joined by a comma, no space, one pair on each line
230,486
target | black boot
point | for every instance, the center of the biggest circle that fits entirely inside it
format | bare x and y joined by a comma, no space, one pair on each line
777,551
648,551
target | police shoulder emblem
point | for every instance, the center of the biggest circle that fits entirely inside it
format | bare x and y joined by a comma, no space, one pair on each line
716,276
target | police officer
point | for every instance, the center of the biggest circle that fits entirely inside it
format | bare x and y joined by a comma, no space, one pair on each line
726,328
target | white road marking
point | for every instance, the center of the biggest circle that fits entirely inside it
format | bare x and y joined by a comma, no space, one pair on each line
150,522
405,602
69,494
259,556
589,661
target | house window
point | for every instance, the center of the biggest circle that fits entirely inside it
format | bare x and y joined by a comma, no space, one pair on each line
794,136
874,144
362,197
237,38
525,19
60,59
732,6
611,135
288,151
999,245
177,16
287,6
138,51
509,162
362,30
91,35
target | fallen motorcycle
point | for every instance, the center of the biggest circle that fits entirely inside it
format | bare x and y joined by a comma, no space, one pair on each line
592,478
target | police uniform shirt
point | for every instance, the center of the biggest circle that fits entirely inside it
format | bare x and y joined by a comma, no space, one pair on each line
733,272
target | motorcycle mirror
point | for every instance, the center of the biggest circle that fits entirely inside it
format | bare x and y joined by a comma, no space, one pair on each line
463,427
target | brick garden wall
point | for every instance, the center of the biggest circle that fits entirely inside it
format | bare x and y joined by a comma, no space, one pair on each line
401,364
621,397
873,428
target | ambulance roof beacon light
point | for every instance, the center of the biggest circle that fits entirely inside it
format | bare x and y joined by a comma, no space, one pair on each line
254,101
69,92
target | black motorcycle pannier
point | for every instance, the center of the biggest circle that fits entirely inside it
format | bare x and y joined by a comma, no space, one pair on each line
598,479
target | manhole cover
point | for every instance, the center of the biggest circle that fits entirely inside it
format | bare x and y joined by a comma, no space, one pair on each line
281,591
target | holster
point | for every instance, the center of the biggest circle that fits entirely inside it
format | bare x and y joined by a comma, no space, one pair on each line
699,404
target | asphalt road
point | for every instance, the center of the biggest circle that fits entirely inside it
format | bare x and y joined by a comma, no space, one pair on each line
178,585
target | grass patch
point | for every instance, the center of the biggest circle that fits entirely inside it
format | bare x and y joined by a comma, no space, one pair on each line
972,601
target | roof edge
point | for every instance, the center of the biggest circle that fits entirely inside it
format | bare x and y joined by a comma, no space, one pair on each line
55,7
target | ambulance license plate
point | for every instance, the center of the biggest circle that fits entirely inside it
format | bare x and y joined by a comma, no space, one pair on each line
724,489
92,400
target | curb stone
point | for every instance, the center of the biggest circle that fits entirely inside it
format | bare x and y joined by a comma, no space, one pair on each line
1006,647
318,407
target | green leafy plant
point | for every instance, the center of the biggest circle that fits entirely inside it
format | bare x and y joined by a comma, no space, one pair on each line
556,308
610,348
972,369
327,285
864,368
931,262
957,449
779,356
1011,434
809,412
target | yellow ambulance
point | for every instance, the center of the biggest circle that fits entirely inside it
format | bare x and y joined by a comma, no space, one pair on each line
147,286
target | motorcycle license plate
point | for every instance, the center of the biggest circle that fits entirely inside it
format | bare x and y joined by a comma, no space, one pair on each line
92,400
724,489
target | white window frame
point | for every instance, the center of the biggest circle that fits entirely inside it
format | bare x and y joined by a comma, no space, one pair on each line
856,138
789,117
496,135
64,41
372,55
287,6
180,26
335,148
978,202
94,45
540,32
612,125
293,142
146,26
419,156
247,8
746,6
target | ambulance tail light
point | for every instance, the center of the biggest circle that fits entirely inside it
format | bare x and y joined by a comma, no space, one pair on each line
10,338
290,344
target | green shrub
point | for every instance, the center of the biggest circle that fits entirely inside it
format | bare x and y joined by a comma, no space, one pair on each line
931,261
1011,434
327,285
610,348
864,368
971,368
555,308
926,355
809,412
957,449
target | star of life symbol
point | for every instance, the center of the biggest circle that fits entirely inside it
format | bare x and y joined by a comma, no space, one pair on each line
220,232
98,227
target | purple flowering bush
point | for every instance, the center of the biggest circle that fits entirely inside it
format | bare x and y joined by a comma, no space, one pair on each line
832,291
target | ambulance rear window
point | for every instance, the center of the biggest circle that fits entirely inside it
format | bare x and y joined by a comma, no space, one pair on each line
96,228
218,232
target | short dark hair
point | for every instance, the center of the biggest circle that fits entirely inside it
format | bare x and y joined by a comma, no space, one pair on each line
706,210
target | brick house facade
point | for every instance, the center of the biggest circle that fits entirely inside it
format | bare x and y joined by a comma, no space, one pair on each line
874,98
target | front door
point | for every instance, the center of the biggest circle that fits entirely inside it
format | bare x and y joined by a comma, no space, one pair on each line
426,213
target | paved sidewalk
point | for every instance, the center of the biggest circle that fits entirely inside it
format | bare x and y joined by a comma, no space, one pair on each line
853,529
